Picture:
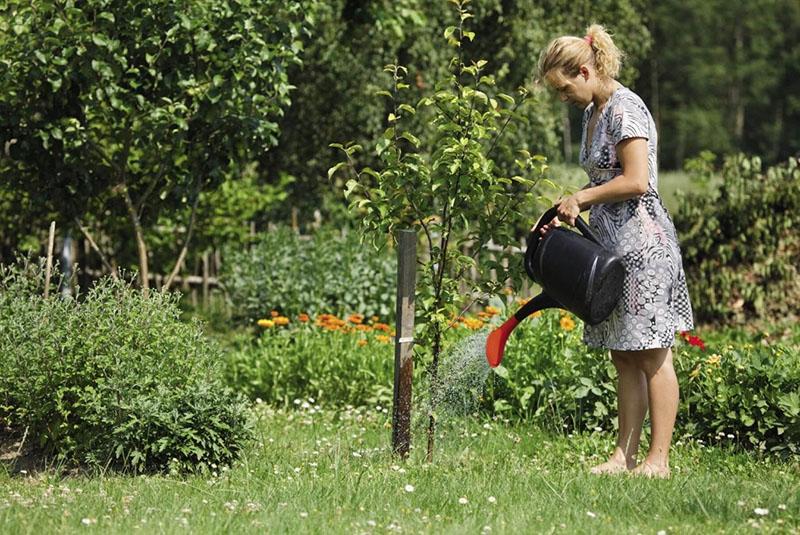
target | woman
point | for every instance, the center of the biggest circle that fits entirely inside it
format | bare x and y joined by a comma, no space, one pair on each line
618,151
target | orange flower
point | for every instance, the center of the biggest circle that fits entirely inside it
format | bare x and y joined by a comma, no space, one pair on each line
473,324
383,338
484,315
382,327
356,318
274,314
281,320
266,324
302,318
537,314
362,343
374,319
363,328
492,311
567,323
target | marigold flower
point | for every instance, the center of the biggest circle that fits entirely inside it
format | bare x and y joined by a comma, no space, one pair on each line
302,318
382,327
356,318
536,314
484,315
473,323
281,320
492,311
362,343
383,338
363,328
266,323
567,323
374,319
274,314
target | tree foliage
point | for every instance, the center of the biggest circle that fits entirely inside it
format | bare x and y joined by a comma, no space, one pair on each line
130,107
450,188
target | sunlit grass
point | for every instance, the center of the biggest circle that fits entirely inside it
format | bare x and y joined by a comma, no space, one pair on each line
325,471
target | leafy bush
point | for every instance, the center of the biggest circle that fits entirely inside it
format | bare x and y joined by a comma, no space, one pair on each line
550,377
113,379
331,361
328,273
740,243
746,393
746,390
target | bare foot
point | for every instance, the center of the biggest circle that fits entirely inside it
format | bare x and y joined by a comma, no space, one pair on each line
657,471
610,467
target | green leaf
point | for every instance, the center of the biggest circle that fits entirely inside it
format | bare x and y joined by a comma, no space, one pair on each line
502,371
335,168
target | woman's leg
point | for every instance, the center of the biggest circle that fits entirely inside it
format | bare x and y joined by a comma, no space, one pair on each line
632,406
663,391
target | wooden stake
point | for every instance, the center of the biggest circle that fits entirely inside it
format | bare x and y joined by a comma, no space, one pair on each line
50,242
205,279
403,346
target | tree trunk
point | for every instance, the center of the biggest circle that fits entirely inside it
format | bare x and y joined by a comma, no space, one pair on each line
185,248
434,377
141,246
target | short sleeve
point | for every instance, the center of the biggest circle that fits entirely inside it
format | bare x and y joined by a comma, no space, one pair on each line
629,119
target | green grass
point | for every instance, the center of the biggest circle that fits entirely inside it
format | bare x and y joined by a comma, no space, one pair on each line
331,472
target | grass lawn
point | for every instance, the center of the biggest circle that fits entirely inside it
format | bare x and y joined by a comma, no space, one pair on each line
325,471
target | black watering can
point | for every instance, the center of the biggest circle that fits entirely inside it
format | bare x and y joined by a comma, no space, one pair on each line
575,272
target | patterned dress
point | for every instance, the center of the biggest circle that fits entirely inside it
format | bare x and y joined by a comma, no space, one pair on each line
655,302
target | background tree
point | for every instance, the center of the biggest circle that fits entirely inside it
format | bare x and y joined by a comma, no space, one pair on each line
132,107
724,77
335,83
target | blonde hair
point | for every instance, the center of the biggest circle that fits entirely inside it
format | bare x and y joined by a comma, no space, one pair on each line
567,53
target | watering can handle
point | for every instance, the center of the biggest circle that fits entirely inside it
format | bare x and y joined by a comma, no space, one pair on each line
582,226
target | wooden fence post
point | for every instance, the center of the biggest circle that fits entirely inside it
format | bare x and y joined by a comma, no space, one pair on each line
403,346
50,242
205,279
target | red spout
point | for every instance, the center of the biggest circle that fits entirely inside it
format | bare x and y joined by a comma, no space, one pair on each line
496,343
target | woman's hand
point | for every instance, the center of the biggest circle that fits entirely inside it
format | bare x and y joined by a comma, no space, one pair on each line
547,227
569,209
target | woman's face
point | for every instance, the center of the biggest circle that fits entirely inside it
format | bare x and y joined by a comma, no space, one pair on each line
573,90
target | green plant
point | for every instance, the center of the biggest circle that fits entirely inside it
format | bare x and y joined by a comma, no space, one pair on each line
329,273
740,243
303,361
551,378
732,392
120,110
744,393
114,378
450,190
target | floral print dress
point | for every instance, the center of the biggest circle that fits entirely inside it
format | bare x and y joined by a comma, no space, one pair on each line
655,301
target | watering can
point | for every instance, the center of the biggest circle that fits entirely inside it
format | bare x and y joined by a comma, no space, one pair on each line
575,272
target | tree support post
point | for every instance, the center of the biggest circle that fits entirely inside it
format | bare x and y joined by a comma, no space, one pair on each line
403,346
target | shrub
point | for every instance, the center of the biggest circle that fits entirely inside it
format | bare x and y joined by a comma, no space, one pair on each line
549,376
746,393
329,360
328,273
740,243
747,390
113,379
